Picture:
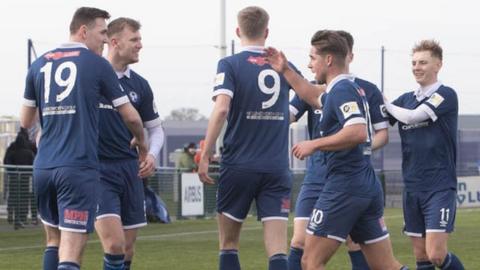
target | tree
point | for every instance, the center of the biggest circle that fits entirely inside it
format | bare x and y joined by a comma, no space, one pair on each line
185,114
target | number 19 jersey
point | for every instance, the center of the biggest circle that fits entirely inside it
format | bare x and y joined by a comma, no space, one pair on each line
65,84
256,138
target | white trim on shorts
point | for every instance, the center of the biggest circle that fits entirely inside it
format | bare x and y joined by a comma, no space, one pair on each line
107,215
48,224
134,226
301,218
412,234
377,239
435,230
72,230
329,236
232,217
273,218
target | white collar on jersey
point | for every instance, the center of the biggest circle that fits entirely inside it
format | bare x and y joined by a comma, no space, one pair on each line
255,49
72,44
427,91
337,79
121,74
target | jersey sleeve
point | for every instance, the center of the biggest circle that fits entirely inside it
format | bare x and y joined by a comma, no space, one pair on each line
148,110
347,106
397,102
111,88
297,107
29,96
442,102
224,80
378,111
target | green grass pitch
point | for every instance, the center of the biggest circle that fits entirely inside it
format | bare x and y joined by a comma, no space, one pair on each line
192,244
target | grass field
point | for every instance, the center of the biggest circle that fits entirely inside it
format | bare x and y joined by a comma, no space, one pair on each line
192,244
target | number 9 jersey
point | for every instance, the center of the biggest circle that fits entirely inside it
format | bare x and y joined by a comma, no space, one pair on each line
256,138
65,84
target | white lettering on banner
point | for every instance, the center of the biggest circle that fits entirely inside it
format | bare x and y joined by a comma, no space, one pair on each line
192,195
468,192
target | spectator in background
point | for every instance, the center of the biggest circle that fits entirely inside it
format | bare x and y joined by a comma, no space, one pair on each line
19,153
185,160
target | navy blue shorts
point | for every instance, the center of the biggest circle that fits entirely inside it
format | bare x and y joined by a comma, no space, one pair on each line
307,197
122,193
237,189
67,197
339,214
425,211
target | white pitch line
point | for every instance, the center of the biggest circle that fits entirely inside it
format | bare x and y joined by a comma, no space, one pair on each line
169,235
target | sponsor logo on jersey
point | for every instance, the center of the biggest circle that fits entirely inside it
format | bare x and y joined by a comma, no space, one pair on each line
436,99
258,60
414,126
59,55
75,217
349,108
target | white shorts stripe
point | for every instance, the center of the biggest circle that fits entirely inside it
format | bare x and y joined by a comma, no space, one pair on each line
134,226
72,230
377,239
107,215
232,217
274,218
412,234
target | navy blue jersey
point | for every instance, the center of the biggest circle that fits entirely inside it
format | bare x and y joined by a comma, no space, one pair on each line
316,169
376,107
256,137
429,147
65,84
347,170
114,140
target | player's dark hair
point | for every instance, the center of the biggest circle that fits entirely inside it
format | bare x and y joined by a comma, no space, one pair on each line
430,45
329,42
348,38
116,26
86,16
253,21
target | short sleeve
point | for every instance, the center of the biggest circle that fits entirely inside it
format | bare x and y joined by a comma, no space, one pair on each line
442,102
298,107
148,110
111,88
378,111
224,80
29,96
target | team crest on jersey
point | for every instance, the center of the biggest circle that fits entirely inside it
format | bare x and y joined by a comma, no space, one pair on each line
259,60
436,99
383,110
133,96
219,79
349,108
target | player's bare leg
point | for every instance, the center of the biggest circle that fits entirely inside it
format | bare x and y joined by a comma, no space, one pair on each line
110,232
318,251
379,255
130,238
275,240
52,241
356,256
228,239
72,245
299,233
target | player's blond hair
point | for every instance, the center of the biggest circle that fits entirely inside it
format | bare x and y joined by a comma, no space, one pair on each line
253,21
430,45
116,26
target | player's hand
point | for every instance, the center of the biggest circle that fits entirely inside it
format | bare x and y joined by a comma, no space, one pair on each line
303,149
142,150
203,170
276,59
149,167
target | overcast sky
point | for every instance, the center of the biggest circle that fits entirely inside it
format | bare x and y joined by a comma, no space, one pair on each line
180,41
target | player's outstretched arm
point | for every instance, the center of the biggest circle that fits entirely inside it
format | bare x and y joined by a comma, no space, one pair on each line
348,137
304,89
215,124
